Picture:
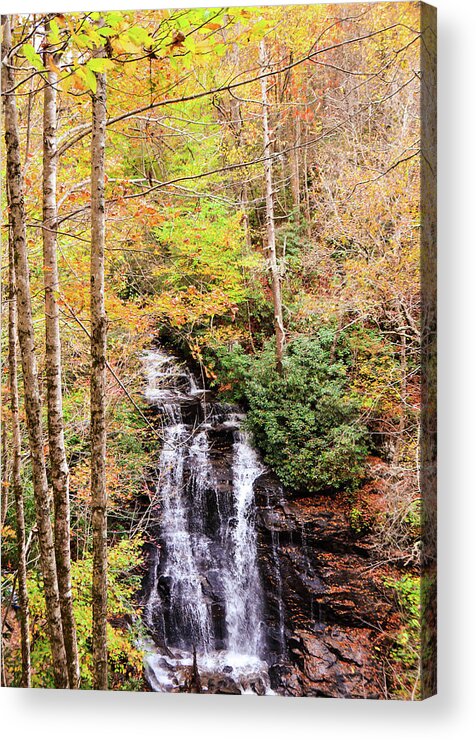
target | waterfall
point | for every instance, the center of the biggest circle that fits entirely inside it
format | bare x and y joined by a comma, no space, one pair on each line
204,592
241,578
189,615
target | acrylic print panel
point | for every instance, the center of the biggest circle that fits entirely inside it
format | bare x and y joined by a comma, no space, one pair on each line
219,356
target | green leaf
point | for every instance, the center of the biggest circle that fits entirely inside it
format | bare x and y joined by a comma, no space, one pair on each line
91,79
190,44
139,36
114,18
84,40
54,35
32,56
182,21
99,64
88,77
106,31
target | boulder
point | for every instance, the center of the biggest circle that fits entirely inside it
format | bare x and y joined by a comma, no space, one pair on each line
223,684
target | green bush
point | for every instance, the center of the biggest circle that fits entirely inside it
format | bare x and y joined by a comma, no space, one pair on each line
306,422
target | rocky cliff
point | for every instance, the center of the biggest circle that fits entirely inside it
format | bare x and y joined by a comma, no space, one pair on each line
328,617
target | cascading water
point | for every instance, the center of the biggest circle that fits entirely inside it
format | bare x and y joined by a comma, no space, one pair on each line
203,592
187,605
241,578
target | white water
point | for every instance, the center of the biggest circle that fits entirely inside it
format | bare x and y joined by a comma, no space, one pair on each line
241,578
187,601
204,589
165,674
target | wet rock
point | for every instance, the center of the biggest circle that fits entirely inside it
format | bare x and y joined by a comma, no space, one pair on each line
222,684
257,686
285,679
325,609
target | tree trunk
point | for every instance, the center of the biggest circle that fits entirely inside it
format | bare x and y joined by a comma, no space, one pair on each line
400,443
236,125
307,199
295,186
30,376
57,452
16,478
5,474
98,381
271,236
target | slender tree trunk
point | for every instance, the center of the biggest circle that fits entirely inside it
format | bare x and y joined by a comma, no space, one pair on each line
98,381
5,474
16,478
400,443
271,236
30,375
237,129
244,197
57,452
242,188
307,199
295,185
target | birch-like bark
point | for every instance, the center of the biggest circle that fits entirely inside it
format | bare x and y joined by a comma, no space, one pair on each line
98,389
237,130
57,453
307,199
5,474
295,184
16,473
30,376
241,188
270,230
400,443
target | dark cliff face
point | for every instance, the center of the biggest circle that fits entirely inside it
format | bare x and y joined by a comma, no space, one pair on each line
326,612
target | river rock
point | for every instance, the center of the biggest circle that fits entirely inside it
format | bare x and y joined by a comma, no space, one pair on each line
222,684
